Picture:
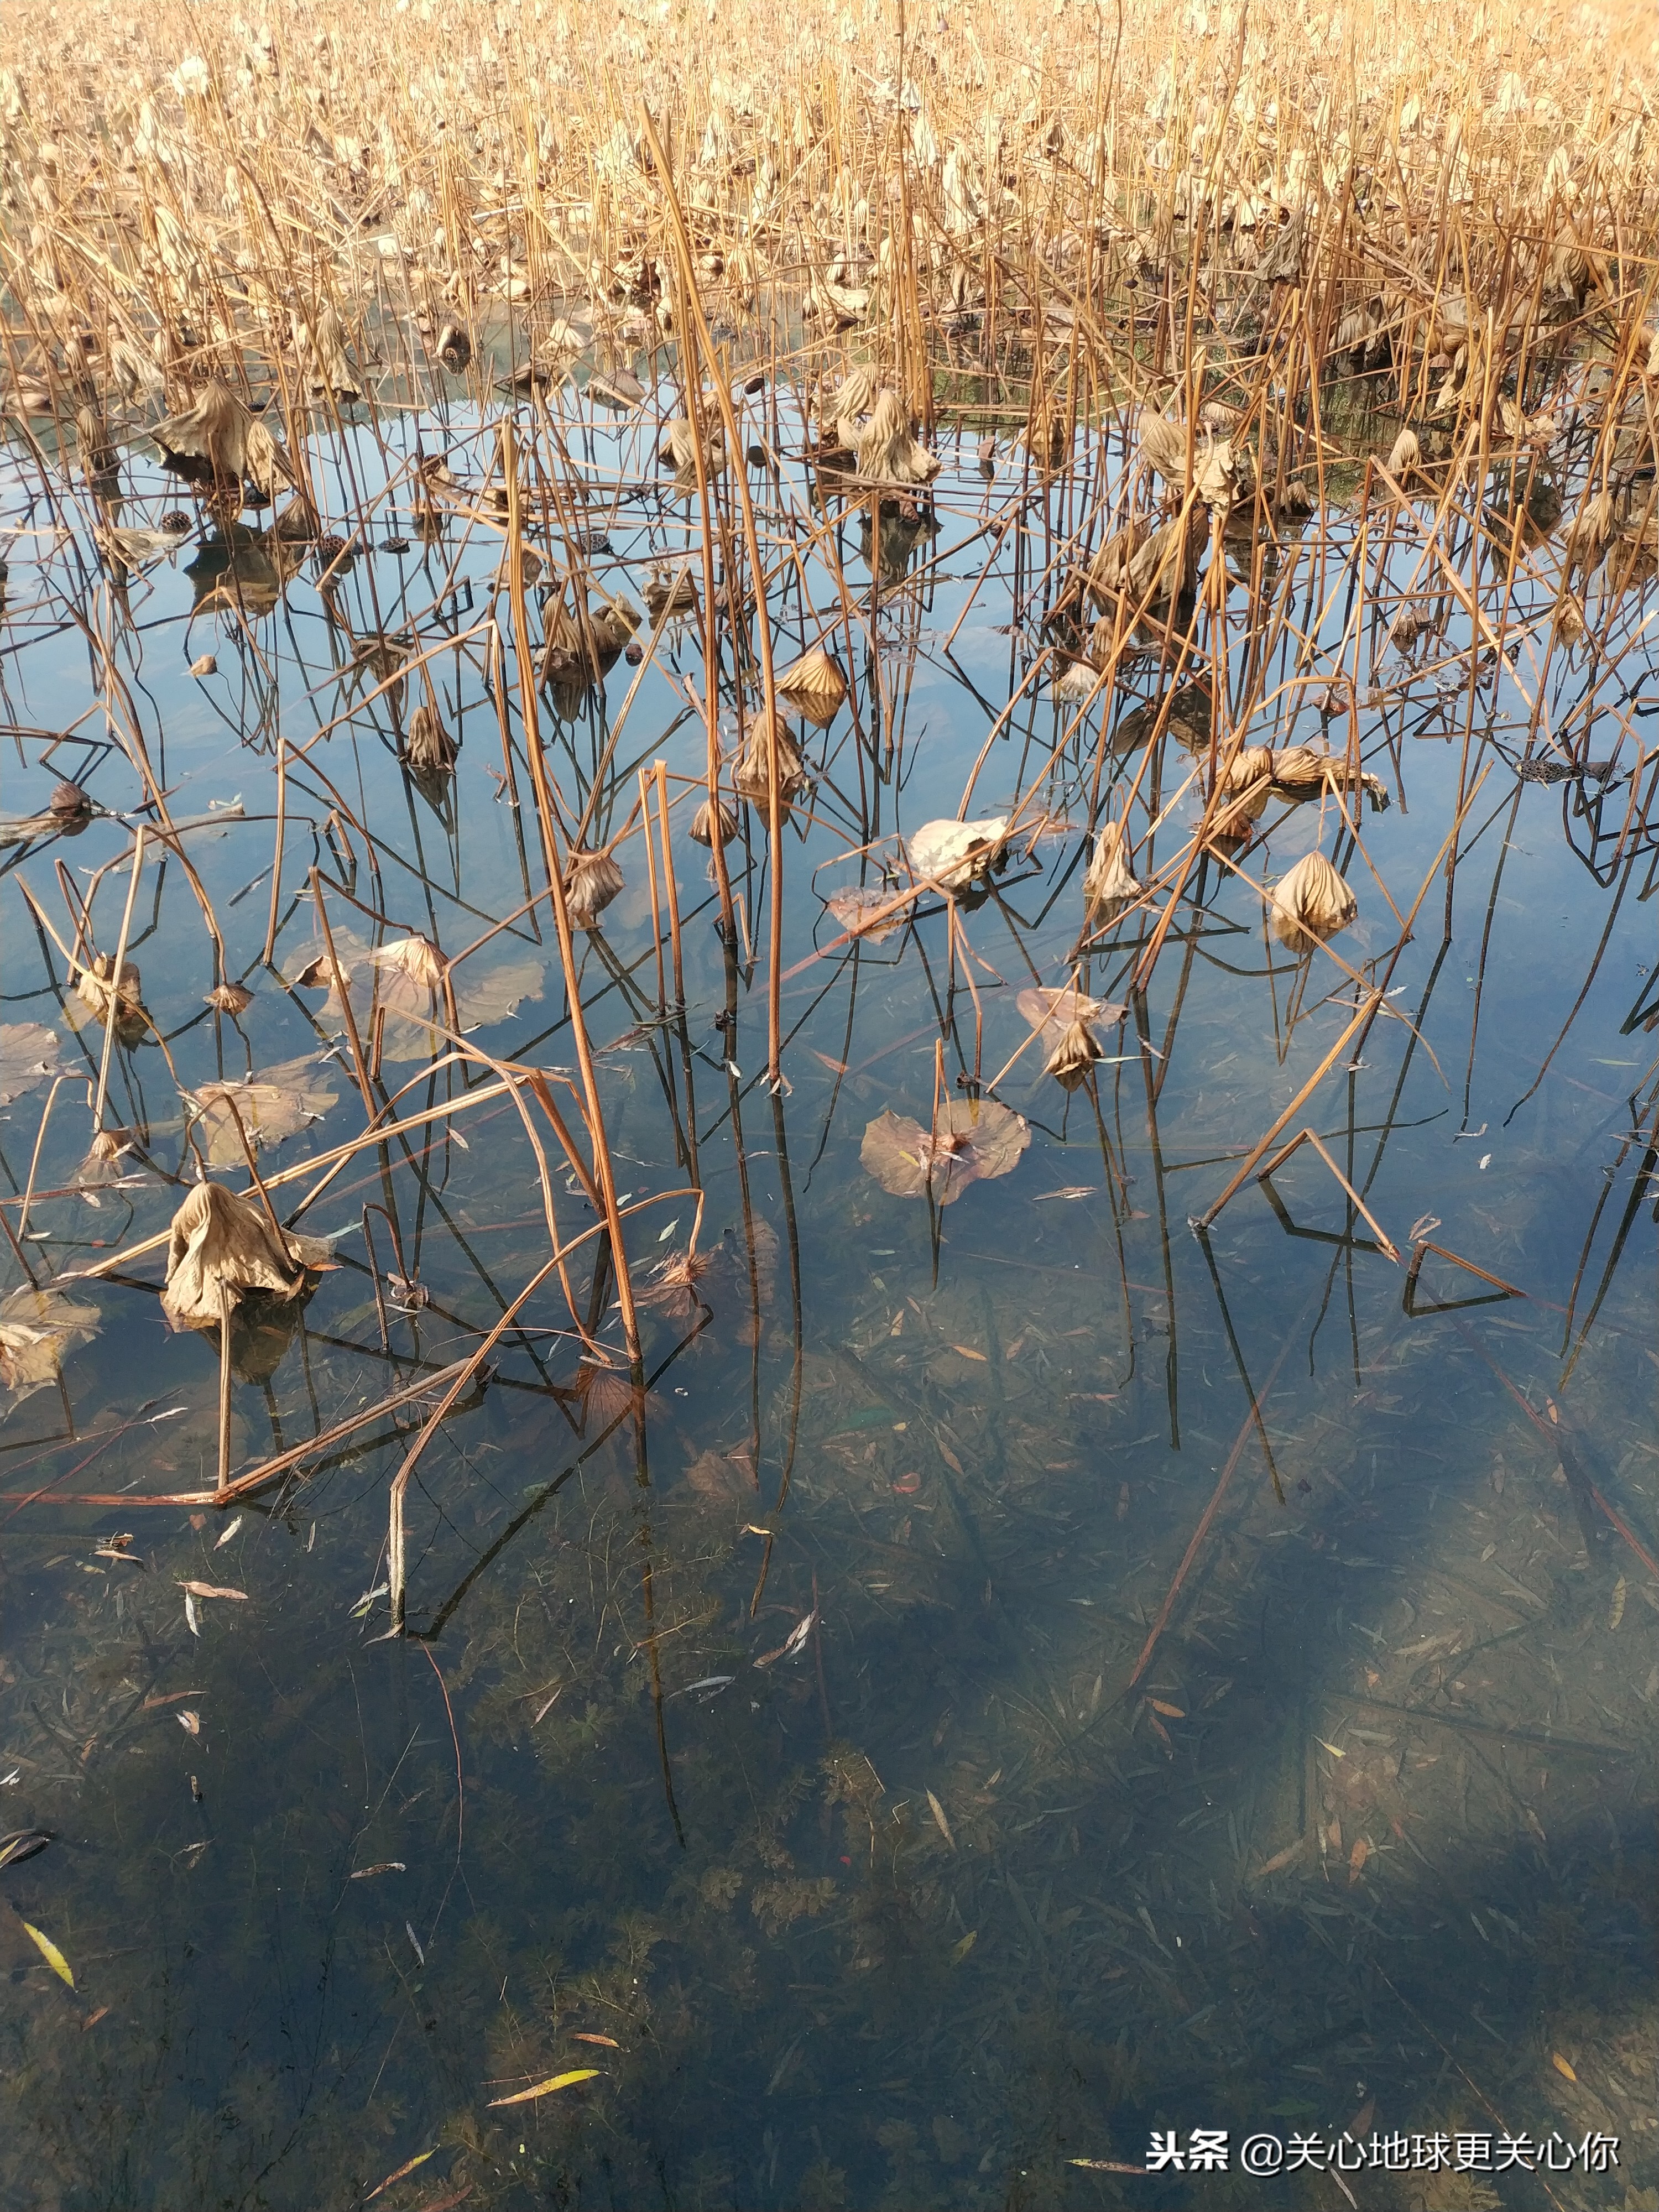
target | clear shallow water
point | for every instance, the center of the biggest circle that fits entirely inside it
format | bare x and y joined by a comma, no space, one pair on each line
926,1904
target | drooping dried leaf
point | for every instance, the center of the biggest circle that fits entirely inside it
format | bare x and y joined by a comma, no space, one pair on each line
887,449
1076,1050
1162,447
93,990
269,1106
591,880
29,1055
37,1329
218,432
750,776
1311,902
972,1140
230,999
429,747
814,685
1108,884
952,854
710,819
221,1242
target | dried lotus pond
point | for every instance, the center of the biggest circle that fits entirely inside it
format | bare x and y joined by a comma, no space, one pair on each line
846,1509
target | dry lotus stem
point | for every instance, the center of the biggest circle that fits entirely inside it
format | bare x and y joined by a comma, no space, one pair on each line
1311,902
750,776
223,1244
94,991
591,880
429,748
1108,886
887,449
712,817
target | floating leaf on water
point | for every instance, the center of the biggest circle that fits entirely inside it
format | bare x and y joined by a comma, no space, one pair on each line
972,1140
793,1643
1616,1613
189,1721
37,1329
952,854
959,1951
421,2157
1561,2067
193,1618
50,1952
546,2088
29,1054
23,1844
1311,902
384,1865
270,1107
222,1243
940,1821
1170,1712
850,907
609,2041
212,1590
230,1530
484,1001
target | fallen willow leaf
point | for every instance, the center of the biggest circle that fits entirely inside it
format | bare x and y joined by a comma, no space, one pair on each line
546,2088
940,1821
29,1054
50,1952
213,1590
268,1107
222,1244
1107,885
37,1329
952,854
1311,902
972,1140
23,1844
851,907
750,776
793,1644
711,818
217,432
886,448
591,880
814,685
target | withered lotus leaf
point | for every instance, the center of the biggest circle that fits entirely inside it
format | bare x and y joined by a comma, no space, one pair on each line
591,880
29,1054
710,820
855,908
222,1243
1075,1053
972,1140
814,685
1311,902
952,854
429,748
1108,883
37,1328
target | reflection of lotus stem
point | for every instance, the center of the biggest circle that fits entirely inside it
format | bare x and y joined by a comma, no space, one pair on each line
661,774
112,1007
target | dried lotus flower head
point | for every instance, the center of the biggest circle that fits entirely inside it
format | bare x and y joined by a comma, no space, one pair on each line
230,998
1404,455
1311,902
814,685
1075,1053
455,349
219,1248
96,994
429,748
1109,885
750,776
714,819
591,880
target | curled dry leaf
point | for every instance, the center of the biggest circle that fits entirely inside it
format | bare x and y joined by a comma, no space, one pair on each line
68,802
1165,567
665,596
1053,1011
1078,681
229,999
270,1107
92,989
711,819
218,434
750,776
591,880
840,413
221,1243
1311,902
416,957
1405,454
952,854
29,1054
1075,1053
37,1328
1162,447
429,747
814,685
886,448
1303,773
1217,479
1107,885
972,1140
1246,783
678,445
